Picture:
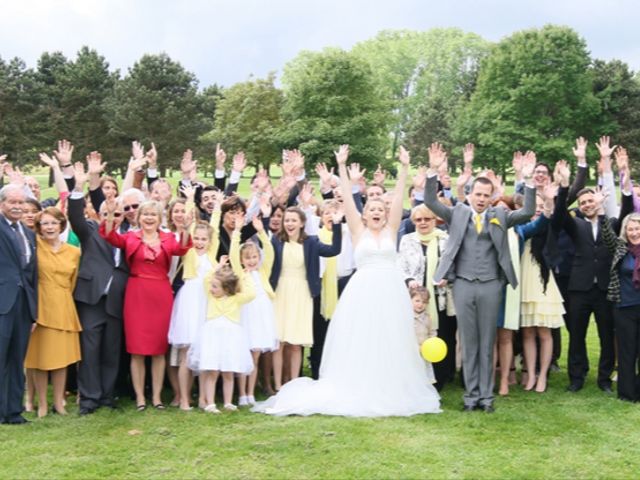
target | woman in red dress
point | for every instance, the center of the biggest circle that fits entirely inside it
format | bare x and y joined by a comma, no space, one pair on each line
148,298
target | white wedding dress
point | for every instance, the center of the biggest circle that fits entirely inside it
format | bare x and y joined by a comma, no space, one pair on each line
371,366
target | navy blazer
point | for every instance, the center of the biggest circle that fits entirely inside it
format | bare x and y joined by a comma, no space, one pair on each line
313,249
13,275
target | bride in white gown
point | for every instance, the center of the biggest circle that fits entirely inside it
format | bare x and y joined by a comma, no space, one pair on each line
370,366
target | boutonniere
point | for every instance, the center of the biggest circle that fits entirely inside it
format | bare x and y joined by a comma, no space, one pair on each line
495,221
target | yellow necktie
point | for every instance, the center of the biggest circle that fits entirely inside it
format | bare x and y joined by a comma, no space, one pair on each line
478,222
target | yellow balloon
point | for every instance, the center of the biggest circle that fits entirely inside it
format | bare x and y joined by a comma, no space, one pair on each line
433,349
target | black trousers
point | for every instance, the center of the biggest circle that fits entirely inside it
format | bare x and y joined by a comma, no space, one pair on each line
556,333
627,324
320,327
15,329
445,371
581,306
100,342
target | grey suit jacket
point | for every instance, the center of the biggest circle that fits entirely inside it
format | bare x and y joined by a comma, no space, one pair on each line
499,220
97,265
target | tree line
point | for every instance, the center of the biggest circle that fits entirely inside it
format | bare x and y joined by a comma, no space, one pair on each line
536,89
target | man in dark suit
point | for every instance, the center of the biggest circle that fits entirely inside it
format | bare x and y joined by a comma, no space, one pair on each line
18,302
99,296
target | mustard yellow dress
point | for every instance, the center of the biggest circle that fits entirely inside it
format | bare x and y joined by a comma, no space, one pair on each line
55,342
293,303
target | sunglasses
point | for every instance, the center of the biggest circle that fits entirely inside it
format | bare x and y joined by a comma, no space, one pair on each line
133,206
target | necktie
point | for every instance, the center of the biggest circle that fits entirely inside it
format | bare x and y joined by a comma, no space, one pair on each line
477,219
21,242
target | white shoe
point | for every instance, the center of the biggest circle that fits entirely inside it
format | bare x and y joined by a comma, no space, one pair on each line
251,400
243,401
211,408
230,407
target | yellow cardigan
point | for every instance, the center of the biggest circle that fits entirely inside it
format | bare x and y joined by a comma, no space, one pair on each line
190,259
229,306
267,260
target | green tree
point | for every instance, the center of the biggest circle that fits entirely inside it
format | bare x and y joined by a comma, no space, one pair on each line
534,92
425,78
156,102
618,90
248,118
331,99
19,104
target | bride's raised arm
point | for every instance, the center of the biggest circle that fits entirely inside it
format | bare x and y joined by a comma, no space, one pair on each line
395,212
351,213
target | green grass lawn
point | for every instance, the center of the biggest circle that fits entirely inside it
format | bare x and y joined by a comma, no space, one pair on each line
550,435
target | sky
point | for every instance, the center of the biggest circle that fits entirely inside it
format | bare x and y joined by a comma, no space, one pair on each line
224,41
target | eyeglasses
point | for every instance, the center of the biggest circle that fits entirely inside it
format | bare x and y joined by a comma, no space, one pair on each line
423,219
133,206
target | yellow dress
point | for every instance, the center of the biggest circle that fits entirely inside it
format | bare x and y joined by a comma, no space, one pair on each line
293,303
55,342
538,308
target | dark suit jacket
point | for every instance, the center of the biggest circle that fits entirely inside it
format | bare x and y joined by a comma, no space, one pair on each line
97,264
13,275
313,249
592,259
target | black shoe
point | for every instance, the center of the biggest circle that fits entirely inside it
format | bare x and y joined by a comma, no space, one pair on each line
574,387
488,409
469,408
17,420
86,411
606,388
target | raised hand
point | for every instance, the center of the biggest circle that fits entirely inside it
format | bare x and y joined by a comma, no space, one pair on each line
468,153
94,163
580,150
239,221
437,156
599,198
355,172
464,177
297,160
152,156
265,203
80,175
561,173
306,194
336,218
15,175
622,159
420,178
549,192
256,221
287,165
188,191
64,152
239,162
187,165
517,162
137,163
261,181
404,157
137,150
221,157
604,148
342,154
379,175
528,164
47,160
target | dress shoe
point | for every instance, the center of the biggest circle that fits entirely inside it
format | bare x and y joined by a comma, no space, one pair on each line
86,411
606,389
574,387
488,409
17,420
469,408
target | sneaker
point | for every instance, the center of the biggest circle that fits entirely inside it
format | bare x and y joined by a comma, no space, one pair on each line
251,400
243,401
211,408
230,407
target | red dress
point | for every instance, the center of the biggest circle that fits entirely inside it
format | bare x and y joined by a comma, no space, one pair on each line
148,298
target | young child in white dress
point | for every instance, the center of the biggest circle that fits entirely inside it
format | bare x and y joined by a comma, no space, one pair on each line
257,316
190,305
222,346
422,322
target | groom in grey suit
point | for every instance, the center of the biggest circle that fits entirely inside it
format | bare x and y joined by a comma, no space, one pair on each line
478,263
